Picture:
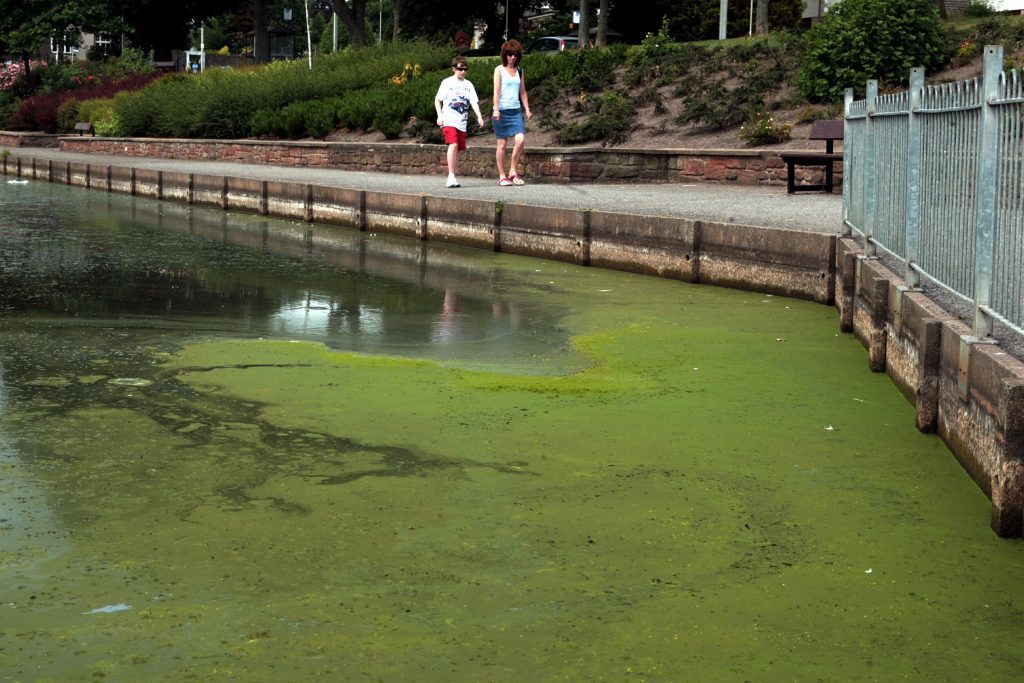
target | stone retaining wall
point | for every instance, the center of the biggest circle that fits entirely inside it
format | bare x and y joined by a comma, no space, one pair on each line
552,165
9,139
966,389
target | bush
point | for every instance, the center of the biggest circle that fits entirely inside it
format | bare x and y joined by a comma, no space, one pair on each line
588,69
42,112
293,120
266,123
221,103
979,8
611,121
67,116
761,129
102,114
862,39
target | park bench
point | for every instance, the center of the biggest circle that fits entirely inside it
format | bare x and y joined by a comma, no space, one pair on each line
83,127
829,131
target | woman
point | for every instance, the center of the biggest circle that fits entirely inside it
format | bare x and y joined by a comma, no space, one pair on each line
509,102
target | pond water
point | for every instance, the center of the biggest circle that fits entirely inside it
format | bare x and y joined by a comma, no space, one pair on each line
241,448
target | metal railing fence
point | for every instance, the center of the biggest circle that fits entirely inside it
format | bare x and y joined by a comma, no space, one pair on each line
934,176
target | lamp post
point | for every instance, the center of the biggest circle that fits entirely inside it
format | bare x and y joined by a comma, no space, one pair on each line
309,37
506,19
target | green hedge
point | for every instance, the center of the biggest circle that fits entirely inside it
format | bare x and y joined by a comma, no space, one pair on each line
222,103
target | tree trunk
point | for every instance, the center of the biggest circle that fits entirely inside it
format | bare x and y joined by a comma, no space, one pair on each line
395,6
261,39
584,23
602,24
761,22
354,19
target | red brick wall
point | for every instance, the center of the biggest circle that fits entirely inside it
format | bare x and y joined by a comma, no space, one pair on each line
554,165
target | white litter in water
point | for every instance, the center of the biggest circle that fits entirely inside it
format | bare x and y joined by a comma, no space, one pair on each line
830,428
17,182
130,382
868,570
604,290
106,609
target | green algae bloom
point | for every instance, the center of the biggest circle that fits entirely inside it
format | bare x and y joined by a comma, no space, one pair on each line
693,484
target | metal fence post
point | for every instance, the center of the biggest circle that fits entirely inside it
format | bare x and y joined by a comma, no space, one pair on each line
847,187
870,184
985,206
912,234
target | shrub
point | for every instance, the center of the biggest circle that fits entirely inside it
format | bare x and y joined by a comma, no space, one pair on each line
293,120
611,121
42,112
320,119
810,113
861,39
102,114
266,122
720,107
588,69
67,116
966,51
221,103
979,8
761,129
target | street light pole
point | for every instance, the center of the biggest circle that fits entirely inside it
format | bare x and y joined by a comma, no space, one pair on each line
506,19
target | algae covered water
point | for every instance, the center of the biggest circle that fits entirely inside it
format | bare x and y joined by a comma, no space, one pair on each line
241,449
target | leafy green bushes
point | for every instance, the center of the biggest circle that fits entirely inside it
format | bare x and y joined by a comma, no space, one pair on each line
760,129
585,69
861,39
610,119
223,103
43,112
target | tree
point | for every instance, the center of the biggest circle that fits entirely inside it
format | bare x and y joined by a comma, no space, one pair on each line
761,24
156,25
354,19
602,23
26,26
261,39
584,32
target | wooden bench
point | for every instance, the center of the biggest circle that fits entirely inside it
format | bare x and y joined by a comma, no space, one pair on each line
829,131
83,127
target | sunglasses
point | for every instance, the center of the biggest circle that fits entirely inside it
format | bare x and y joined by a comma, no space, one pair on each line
461,68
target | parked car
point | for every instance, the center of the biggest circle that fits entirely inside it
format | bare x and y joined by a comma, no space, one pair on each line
549,44
553,44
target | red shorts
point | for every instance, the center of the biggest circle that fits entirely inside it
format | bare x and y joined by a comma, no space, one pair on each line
454,136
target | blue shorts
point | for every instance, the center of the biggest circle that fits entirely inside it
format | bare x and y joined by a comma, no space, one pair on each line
509,125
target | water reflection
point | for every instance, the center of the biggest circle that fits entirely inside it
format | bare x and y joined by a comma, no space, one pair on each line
69,254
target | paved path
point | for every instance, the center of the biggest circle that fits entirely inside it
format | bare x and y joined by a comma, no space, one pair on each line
767,206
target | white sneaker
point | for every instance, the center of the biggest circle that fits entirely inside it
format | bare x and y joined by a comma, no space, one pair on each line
452,182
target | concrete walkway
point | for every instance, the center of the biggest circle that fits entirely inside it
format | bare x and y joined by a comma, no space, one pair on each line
765,206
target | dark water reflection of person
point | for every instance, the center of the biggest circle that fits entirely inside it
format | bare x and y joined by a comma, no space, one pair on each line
452,326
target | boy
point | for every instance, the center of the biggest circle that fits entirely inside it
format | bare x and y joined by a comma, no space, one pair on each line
452,103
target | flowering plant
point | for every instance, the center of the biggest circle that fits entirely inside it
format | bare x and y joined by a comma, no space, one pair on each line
410,71
761,129
13,72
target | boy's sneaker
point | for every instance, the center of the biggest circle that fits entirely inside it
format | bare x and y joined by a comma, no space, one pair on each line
452,182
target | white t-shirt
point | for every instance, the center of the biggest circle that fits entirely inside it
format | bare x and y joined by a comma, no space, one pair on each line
457,98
